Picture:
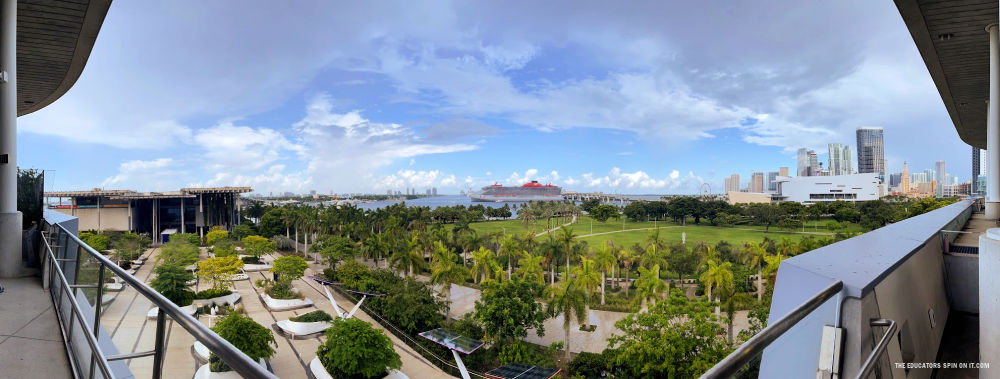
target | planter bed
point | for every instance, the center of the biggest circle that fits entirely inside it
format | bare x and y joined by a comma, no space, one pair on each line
204,372
256,267
301,330
189,309
284,304
230,299
317,371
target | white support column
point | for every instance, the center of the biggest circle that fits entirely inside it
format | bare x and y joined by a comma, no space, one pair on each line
989,297
10,218
182,215
993,129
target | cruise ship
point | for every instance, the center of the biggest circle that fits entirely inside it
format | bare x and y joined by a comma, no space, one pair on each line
532,191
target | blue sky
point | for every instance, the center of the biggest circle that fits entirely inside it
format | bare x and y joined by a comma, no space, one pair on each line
654,97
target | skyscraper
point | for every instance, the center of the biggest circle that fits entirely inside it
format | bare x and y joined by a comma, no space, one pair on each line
939,178
803,167
756,181
772,185
976,162
904,183
871,151
839,159
814,166
782,171
733,183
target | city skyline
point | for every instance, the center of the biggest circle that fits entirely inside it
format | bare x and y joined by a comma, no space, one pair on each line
407,103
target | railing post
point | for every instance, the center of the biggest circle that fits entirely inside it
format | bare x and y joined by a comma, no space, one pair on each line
98,304
158,345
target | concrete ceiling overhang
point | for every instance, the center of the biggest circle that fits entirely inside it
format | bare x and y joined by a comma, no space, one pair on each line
951,37
54,40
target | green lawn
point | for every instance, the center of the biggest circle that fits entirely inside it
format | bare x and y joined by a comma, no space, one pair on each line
669,231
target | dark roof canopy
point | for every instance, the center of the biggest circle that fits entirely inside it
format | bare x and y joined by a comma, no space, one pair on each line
54,40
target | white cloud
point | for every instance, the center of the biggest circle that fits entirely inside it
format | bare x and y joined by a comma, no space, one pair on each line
637,182
143,175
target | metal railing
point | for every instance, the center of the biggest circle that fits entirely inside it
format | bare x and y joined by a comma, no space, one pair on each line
60,245
730,365
869,365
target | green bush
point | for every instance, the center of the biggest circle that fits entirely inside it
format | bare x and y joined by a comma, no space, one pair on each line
189,238
251,260
212,293
588,365
289,268
224,248
171,282
314,316
279,290
253,339
354,349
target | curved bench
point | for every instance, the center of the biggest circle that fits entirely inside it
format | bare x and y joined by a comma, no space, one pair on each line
284,304
301,330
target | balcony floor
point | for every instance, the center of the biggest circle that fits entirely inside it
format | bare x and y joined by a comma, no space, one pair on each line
31,345
960,344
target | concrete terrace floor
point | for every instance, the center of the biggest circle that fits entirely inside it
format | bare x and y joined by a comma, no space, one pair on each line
31,345
125,321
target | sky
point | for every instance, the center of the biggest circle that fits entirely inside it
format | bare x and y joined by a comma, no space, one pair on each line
651,97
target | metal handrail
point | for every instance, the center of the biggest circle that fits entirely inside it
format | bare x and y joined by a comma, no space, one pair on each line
229,354
869,365
756,344
97,356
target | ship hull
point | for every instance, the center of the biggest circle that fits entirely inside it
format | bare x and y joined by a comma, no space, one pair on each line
488,198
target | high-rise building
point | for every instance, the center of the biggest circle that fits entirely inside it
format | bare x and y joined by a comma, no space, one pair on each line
733,183
782,171
895,179
770,179
803,167
839,159
904,183
940,178
976,163
918,177
871,151
814,165
756,181
434,191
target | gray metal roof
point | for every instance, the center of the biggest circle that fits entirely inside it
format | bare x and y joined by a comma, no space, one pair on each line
54,40
951,37
863,261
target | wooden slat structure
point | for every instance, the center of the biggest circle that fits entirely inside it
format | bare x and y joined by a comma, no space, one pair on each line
54,40
951,37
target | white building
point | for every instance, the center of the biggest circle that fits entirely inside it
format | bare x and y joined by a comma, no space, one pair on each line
814,189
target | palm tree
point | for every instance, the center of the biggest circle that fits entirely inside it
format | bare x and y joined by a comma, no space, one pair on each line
565,238
550,250
508,248
408,256
719,276
531,266
753,256
605,258
786,247
773,262
445,271
567,299
588,278
627,258
649,284
483,263
470,240
731,302
653,256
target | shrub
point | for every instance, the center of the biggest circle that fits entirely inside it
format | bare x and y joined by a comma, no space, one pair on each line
179,253
212,293
189,238
588,365
253,339
353,349
129,246
250,260
171,282
224,248
220,270
242,230
99,242
216,235
279,290
289,268
283,243
257,245
314,316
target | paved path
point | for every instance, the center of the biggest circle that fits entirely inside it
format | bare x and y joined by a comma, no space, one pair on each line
571,221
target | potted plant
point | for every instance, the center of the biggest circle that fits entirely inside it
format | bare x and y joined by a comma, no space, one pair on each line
353,349
253,339
279,294
171,282
219,271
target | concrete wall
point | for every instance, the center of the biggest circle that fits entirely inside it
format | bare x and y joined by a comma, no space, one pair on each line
747,197
114,219
962,281
798,189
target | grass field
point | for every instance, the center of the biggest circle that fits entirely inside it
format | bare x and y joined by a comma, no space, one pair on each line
636,232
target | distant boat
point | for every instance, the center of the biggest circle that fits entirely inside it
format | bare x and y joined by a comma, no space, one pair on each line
532,191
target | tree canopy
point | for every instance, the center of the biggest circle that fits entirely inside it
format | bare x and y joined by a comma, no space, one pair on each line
353,348
507,310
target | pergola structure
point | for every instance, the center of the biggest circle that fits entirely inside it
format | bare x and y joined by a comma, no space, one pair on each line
44,46
185,211
455,342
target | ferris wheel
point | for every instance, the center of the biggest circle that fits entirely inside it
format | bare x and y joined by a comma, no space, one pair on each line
706,189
